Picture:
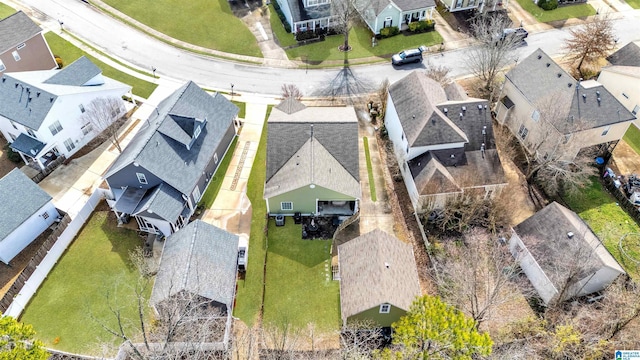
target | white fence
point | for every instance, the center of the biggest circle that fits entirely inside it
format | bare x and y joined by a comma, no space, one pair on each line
42,271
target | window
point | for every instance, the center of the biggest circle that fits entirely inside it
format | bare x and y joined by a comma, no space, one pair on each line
21,46
215,158
69,144
535,115
196,193
86,128
142,178
458,3
605,131
81,108
286,205
523,132
385,308
31,133
635,110
16,56
55,127
197,132
2,67
45,215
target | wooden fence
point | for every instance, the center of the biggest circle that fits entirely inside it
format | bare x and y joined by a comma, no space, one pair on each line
622,199
49,169
33,263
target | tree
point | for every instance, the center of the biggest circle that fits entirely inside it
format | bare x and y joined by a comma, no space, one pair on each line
359,340
592,41
493,52
344,14
101,116
17,341
439,73
432,329
291,90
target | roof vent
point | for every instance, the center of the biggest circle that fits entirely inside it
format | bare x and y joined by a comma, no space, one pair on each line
38,94
453,156
548,64
460,115
598,93
479,107
386,264
539,56
445,110
413,116
485,106
51,99
464,108
16,85
584,97
484,130
599,100
570,235
4,79
569,84
559,75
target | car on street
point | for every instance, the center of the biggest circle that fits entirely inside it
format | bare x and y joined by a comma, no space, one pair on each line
519,33
408,56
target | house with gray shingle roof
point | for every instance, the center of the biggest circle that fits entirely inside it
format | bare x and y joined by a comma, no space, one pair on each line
160,177
543,106
22,45
561,255
303,15
443,141
41,112
378,278
622,76
27,211
312,160
378,14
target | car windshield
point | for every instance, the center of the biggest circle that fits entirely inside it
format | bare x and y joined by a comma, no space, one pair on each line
401,54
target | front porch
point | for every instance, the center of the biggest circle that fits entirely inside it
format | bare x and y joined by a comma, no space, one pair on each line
336,208
409,17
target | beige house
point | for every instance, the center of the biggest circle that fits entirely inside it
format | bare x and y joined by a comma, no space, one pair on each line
622,78
549,111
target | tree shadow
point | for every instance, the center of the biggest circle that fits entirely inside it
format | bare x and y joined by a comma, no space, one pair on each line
346,84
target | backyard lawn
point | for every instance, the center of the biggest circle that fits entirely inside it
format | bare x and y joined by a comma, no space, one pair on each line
360,41
69,53
634,3
299,287
95,264
561,13
207,23
5,10
608,220
632,138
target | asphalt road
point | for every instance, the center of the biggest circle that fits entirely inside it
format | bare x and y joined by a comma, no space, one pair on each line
128,44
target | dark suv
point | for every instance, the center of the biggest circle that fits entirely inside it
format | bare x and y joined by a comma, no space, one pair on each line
408,56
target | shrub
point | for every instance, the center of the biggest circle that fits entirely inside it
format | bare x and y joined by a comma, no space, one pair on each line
283,19
12,155
306,35
389,31
548,4
422,26
59,61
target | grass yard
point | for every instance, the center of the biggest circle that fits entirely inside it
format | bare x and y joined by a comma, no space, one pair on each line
243,108
634,3
6,10
206,23
214,186
608,220
299,287
284,38
95,264
561,13
360,41
632,138
249,294
69,53
372,184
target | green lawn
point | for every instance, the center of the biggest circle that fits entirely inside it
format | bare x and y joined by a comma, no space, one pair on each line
608,220
634,3
214,186
561,13
360,40
95,264
207,23
284,38
372,184
6,10
243,108
69,53
632,137
249,294
299,288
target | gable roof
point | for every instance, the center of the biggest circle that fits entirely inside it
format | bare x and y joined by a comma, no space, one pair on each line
376,268
539,78
158,146
632,71
78,73
201,259
300,13
628,55
162,201
407,5
21,198
16,29
545,234
333,132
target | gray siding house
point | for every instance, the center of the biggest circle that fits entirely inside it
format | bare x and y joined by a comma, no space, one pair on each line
161,175
312,160
379,14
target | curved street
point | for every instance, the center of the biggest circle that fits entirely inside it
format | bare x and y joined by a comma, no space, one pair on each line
132,46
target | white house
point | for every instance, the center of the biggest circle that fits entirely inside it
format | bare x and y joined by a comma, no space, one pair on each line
26,211
561,256
443,141
41,111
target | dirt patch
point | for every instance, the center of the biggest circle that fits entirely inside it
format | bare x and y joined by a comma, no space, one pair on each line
9,273
6,165
624,160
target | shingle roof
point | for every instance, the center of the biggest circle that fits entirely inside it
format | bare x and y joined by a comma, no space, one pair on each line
16,29
376,268
628,55
545,236
201,259
290,106
78,73
334,128
27,145
169,159
21,198
539,78
407,5
16,106
163,201
300,13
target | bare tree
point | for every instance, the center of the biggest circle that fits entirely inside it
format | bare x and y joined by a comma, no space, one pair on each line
493,52
344,14
359,340
590,42
477,274
100,117
291,91
439,73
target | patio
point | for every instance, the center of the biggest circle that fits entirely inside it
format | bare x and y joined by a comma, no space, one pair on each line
320,227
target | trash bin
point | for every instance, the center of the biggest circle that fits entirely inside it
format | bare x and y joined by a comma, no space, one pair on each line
279,220
297,218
